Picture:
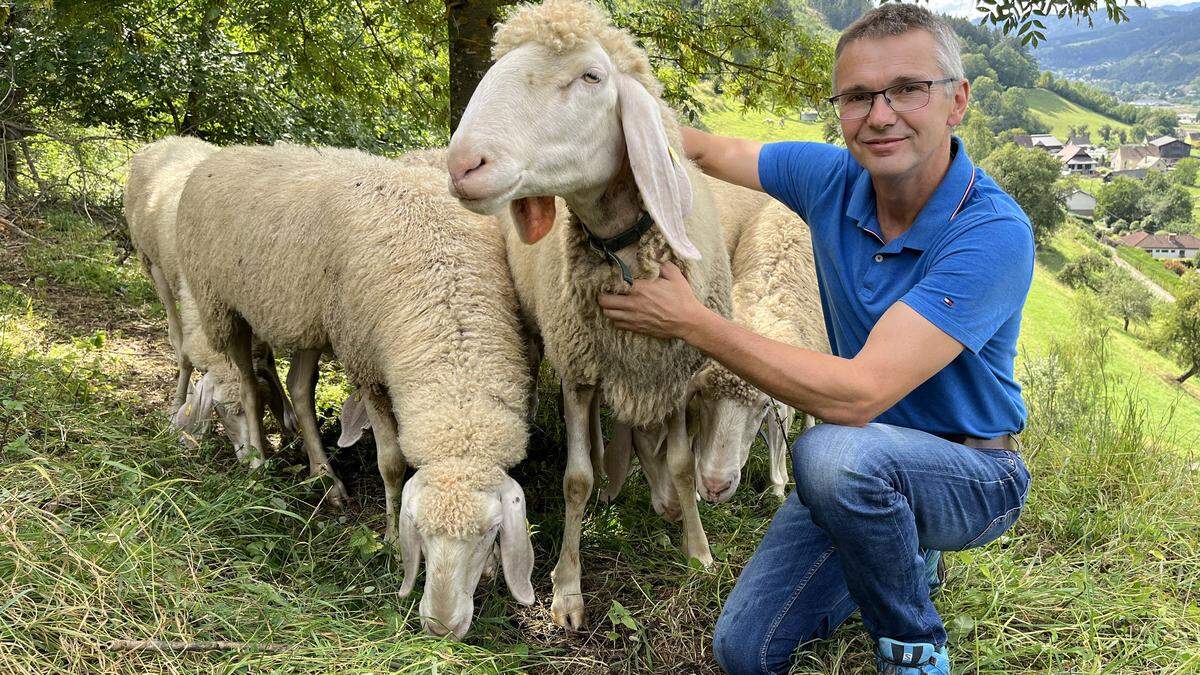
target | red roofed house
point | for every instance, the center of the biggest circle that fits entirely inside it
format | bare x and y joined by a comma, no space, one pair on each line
1163,246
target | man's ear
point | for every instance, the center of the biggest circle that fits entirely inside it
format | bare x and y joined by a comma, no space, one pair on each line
962,96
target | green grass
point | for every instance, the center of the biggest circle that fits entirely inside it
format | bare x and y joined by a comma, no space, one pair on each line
111,530
727,120
1151,267
1061,114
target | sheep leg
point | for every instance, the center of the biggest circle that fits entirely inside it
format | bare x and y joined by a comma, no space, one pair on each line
281,407
597,441
682,464
567,607
777,445
302,383
651,452
239,351
616,460
174,333
390,459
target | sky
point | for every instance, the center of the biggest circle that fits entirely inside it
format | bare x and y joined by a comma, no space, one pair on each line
966,8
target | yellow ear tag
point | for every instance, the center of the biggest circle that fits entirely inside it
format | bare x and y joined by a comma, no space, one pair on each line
671,152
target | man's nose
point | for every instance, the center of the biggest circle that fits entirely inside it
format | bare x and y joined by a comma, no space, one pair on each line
881,114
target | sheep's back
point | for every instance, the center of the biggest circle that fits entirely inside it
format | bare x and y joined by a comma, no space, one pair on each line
775,291
157,174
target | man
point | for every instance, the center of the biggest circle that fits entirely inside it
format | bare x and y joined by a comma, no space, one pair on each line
924,265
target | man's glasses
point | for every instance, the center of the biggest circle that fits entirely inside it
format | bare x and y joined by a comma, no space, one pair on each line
902,98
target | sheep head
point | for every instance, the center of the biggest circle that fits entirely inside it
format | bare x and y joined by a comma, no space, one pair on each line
728,413
454,515
569,104
219,391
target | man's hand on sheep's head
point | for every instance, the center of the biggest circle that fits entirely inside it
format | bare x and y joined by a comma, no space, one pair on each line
664,307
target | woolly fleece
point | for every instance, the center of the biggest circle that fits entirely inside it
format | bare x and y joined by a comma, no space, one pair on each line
374,259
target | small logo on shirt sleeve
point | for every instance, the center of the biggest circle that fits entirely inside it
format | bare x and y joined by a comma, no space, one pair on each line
947,302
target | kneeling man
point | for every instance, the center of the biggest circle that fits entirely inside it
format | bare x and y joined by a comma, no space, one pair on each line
923,264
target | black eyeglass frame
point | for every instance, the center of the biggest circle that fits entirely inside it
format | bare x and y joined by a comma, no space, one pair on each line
883,92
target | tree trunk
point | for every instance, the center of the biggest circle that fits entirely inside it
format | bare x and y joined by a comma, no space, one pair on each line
1191,371
1126,324
193,118
470,25
10,101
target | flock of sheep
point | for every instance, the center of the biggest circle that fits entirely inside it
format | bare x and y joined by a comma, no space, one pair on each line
440,313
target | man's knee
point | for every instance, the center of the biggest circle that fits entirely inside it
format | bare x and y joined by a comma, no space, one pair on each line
828,460
735,648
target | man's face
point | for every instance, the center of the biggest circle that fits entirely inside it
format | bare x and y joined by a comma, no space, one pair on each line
886,143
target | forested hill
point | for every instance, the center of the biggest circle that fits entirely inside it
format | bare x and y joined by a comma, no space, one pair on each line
1159,45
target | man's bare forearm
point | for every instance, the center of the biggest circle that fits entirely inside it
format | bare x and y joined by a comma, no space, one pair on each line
828,387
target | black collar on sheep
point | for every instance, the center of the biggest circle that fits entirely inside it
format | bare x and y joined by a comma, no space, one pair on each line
608,247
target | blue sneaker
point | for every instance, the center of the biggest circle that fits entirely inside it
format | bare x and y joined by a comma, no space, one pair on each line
935,571
904,658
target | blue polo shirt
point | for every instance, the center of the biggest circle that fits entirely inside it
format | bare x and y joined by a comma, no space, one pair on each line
966,265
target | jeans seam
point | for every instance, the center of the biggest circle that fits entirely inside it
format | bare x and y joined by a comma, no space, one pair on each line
1016,509
762,652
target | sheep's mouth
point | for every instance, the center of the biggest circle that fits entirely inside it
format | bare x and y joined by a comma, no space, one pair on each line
534,217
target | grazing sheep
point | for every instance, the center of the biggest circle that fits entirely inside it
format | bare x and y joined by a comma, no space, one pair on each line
774,295
371,258
157,174
571,108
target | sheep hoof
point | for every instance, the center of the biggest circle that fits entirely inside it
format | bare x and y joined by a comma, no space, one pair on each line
698,552
778,491
567,611
335,492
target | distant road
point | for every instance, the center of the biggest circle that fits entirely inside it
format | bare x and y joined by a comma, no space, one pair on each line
1158,291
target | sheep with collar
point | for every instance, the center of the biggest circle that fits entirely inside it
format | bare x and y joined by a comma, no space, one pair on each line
370,258
571,109
157,174
774,294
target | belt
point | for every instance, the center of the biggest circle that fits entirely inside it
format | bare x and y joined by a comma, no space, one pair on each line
1005,442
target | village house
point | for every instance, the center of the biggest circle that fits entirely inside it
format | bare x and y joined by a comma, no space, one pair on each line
1186,118
1163,246
1081,203
1046,142
1171,149
1077,160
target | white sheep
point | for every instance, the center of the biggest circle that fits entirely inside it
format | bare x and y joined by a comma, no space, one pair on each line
373,259
774,294
157,174
571,108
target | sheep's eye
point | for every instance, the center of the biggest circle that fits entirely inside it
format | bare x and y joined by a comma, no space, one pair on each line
591,77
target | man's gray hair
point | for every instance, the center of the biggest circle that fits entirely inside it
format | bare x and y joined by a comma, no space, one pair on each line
892,19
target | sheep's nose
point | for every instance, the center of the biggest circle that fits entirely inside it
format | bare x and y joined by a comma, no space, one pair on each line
436,628
714,488
461,166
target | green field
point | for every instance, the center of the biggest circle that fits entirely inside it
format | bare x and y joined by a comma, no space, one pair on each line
1060,114
728,120
1151,267
1173,409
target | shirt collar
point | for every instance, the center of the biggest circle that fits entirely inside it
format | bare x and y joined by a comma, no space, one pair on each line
945,202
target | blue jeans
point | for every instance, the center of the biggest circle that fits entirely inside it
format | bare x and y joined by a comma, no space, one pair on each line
868,502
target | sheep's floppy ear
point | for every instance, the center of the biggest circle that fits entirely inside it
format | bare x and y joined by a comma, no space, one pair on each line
194,413
410,537
516,550
353,419
661,180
